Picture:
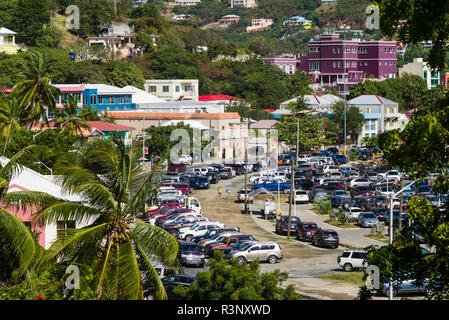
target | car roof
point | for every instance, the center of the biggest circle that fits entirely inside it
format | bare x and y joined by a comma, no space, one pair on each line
185,243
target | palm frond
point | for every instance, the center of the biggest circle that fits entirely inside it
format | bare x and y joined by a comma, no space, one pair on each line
17,246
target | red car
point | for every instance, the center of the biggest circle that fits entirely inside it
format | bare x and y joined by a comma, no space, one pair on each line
181,186
176,168
331,186
164,205
306,230
172,212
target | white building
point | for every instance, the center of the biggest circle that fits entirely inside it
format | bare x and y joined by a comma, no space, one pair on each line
181,17
8,41
420,68
186,2
173,90
244,3
322,103
380,115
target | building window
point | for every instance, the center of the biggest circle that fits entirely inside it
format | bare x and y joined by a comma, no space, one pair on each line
100,100
314,65
93,100
367,125
334,50
120,100
339,50
177,89
339,64
63,226
314,49
153,89
334,64
110,99
165,89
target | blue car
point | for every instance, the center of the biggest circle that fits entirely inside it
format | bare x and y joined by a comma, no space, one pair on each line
202,183
273,185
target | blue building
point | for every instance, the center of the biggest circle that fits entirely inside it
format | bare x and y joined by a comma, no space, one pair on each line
103,97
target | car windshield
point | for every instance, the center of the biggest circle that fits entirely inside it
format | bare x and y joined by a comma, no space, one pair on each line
369,215
189,247
194,226
202,179
364,188
311,226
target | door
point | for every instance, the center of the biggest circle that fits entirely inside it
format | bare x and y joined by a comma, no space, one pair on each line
253,253
357,258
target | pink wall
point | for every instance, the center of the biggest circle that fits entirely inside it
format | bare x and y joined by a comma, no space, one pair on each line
26,216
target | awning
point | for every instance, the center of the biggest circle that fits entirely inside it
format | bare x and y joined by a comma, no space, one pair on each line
260,190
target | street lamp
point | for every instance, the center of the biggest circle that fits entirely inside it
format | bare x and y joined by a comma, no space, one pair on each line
35,135
390,242
41,163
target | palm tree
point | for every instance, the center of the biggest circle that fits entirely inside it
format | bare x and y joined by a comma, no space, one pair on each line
115,245
90,114
69,118
12,117
34,89
17,245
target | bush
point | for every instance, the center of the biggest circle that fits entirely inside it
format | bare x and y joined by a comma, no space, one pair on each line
322,207
343,217
352,156
378,228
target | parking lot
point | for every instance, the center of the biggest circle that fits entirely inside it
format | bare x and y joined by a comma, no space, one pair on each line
358,191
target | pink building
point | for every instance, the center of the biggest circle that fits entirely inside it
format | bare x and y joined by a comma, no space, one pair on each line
259,24
288,63
336,63
30,180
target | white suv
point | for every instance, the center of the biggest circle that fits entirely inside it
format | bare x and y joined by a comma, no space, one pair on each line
198,229
352,259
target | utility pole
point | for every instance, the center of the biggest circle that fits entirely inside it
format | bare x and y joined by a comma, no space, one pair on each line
291,201
246,170
400,207
344,88
297,139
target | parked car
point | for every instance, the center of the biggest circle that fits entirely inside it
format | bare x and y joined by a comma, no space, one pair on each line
214,232
318,194
185,159
227,242
202,183
273,185
359,182
367,219
406,286
354,212
214,177
362,190
241,195
199,228
175,168
282,224
217,238
372,176
172,281
380,213
306,230
325,238
303,183
190,254
300,196
352,259
263,251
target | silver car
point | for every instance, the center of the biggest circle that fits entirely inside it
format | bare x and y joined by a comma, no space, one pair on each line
367,219
263,251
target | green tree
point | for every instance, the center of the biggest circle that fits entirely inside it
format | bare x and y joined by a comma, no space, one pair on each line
114,245
17,245
354,119
69,118
122,74
32,16
229,280
34,89
12,117
418,27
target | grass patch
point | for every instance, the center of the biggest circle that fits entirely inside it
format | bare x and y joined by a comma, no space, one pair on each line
317,212
343,226
350,277
379,237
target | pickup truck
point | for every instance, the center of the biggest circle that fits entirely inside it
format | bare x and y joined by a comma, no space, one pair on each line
339,158
273,185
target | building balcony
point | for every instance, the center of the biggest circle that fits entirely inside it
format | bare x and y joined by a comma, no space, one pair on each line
393,115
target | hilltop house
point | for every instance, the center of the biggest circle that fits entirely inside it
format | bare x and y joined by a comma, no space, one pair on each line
259,24
8,41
